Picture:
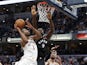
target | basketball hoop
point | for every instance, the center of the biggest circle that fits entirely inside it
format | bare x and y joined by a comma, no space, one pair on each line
43,9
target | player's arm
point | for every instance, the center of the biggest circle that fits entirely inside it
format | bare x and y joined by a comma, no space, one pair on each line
59,60
34,16
37,34
22,43
23,37
50,32
55,47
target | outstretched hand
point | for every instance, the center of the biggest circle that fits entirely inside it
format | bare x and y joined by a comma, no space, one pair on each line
16,27
28,24
55,47
33,10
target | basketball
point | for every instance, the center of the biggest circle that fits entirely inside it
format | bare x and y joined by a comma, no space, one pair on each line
20,23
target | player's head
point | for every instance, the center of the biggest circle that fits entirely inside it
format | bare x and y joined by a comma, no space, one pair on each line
26,32
53,54
41,30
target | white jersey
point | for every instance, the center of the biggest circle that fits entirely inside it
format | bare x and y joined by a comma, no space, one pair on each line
30,50
30,54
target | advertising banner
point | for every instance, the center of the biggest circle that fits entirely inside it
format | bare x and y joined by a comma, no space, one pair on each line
81,36
61,37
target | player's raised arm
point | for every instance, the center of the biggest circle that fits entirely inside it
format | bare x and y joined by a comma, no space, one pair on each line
37,34
50,32
34,16
23,37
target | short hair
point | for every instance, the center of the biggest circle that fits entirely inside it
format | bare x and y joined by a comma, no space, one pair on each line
41,29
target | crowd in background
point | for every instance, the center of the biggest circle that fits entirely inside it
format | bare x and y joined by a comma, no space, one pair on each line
63,24
66,60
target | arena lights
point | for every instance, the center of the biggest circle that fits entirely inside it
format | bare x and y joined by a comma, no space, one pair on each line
13,40
13,1
85,0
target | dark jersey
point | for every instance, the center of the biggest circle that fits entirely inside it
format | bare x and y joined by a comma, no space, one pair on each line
42,45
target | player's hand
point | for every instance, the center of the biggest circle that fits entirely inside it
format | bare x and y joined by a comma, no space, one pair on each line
28,24
33,10
16,27
49,16
55,47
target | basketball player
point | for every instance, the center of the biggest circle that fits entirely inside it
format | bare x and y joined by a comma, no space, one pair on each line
54,58
42,43
28,44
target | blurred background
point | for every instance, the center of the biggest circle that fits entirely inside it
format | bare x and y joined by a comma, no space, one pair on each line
70,30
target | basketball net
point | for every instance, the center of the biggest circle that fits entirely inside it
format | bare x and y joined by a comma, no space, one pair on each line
43,8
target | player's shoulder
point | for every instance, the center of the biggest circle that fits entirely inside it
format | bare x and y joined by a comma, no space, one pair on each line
49,60
56,63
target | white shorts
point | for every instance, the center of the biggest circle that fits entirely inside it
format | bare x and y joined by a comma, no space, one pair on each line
26,62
